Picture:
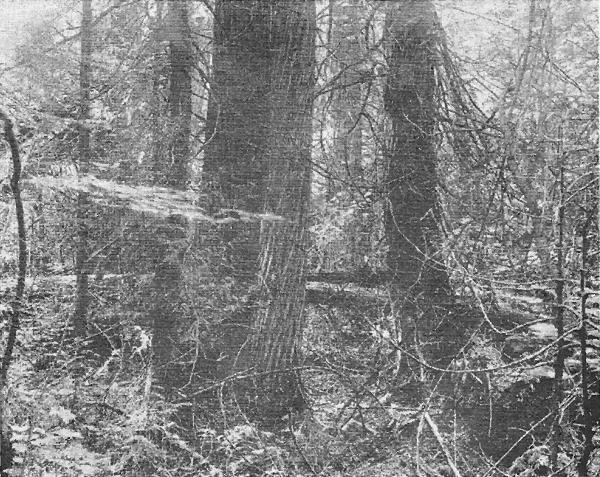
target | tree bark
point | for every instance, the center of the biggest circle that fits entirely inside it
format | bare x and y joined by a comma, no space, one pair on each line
181,55
412,211
279,320
238,125
172,171
82,301
258,159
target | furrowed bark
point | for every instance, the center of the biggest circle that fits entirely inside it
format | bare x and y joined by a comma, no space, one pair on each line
259,160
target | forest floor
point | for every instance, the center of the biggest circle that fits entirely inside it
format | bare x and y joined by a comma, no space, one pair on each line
88,408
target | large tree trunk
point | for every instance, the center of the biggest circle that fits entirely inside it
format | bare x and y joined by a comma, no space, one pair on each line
172,172
412,211
259,160
238,119
279,321
82,300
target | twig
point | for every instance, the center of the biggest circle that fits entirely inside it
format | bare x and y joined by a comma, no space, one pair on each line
531,429
97,20
436,433
299,449
418,450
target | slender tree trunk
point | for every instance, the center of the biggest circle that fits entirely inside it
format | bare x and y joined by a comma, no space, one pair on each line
586,402
260,119
347,120
6,450
559,362
157,112
167,303
412,211
346,55
79,319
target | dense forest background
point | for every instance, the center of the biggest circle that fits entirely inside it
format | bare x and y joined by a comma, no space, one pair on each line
293,238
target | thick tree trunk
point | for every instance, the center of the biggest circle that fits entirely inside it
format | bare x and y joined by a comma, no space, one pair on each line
258,159
238,123
412,211
82,300
172,172
279,320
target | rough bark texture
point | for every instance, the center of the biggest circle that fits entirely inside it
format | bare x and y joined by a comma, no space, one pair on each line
172,170
412,209
238,124
258,159
81,266
279,320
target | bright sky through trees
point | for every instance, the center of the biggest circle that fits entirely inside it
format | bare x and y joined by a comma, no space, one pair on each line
15,15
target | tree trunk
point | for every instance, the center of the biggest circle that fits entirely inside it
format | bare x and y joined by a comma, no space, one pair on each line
79,319
167,303
348,54
6,448
259,160
279,320
238,125
157,107
172,172
412,211
561,352
181,55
